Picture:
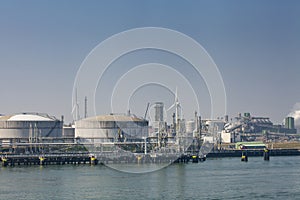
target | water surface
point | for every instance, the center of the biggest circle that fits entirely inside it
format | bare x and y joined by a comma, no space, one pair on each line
226,178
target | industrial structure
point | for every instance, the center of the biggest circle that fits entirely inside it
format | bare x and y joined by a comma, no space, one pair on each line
29,127
111,128
35,132
159,123
250,128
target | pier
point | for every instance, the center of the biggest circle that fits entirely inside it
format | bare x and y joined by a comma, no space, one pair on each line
47,159
252,153
109,158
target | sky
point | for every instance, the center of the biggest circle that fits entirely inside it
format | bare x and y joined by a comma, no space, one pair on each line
254,44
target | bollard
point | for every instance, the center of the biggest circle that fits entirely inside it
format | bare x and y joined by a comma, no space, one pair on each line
244,157
94,160
4,162
195,159
42,160
266,154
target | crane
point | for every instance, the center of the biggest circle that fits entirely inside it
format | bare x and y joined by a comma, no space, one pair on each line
147,110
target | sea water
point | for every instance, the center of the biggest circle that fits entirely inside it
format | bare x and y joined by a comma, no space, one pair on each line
225,178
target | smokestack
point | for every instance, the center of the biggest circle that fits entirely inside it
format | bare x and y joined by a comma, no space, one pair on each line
226,119
85,107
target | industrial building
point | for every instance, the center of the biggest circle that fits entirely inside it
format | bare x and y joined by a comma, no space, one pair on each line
159,123
250,128
190,126
68,133
29,127
289,123
35,128
111,128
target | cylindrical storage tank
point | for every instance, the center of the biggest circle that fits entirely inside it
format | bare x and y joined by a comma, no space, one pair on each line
29,126
109,128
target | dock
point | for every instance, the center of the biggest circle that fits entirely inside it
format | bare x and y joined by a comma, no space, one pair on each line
45,159
253,153
94,158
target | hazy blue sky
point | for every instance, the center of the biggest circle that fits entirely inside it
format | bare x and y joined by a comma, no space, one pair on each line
255,44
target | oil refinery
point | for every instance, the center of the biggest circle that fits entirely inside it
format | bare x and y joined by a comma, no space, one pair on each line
36,133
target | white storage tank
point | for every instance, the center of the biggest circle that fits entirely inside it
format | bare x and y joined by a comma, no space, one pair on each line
29,125
110,128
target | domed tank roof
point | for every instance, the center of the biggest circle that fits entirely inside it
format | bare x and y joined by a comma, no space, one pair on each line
28,117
